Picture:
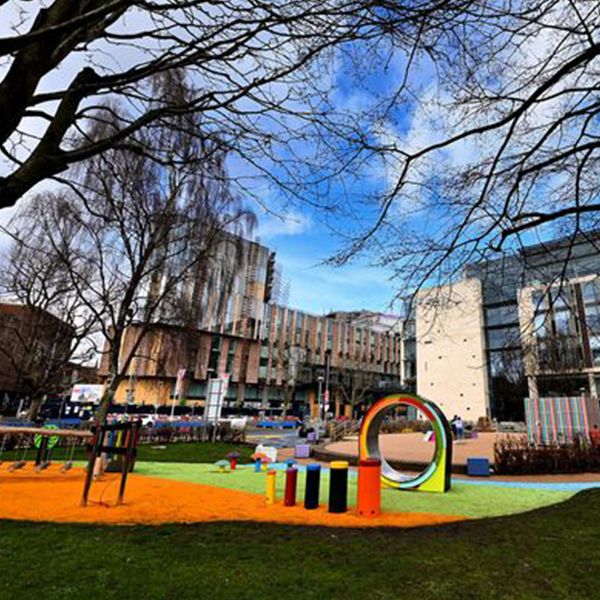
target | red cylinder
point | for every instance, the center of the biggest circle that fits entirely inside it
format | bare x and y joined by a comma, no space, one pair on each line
291,479
233,463
369,487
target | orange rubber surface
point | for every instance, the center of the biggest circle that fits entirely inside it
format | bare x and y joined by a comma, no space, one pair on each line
53,496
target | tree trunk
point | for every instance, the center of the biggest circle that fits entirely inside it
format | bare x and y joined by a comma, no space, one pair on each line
34,408
108,395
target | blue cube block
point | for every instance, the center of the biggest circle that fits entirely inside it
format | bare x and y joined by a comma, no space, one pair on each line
478,467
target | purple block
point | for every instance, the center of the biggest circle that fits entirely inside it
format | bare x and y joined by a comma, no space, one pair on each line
302,451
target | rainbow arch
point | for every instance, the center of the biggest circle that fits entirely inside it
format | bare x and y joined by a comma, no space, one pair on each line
436,476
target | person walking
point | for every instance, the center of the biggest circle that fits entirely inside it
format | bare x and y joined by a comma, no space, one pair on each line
459,427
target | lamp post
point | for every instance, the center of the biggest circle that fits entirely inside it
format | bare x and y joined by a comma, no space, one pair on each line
320,398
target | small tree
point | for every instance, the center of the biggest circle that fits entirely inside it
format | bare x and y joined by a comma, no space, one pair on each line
355,385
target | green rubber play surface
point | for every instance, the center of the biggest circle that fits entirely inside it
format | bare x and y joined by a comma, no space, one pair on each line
472,501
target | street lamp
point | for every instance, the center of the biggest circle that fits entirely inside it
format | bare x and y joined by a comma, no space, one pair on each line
320,397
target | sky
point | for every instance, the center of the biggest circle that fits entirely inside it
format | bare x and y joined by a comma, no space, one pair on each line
302,244
299,236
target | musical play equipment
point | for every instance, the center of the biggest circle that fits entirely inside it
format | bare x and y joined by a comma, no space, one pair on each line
222,465
45,439
338,486
270,491
291,480
233,458
436,477
369,487
105,443
302,451
311,490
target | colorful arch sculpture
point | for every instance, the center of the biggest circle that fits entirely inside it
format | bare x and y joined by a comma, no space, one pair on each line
436,477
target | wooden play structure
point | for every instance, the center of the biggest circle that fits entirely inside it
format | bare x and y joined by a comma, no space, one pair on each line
116,442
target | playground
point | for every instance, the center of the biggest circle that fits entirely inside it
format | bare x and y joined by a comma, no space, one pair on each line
159,492
198,514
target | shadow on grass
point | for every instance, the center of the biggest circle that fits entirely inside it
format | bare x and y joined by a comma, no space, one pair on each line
547,553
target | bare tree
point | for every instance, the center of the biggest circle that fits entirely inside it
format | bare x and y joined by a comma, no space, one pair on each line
488,141
250,62
355,384
139,229
48,327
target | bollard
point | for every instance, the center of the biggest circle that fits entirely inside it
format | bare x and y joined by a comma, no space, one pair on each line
271,480
338,486
311,491
291,478
369,487
257,465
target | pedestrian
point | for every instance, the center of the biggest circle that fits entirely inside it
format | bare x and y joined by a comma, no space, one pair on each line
459,428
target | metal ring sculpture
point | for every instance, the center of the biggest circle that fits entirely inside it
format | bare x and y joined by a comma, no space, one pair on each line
436,477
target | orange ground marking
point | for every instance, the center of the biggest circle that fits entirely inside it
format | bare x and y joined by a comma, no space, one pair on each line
53,496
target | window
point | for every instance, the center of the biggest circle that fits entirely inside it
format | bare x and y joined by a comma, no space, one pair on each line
502,315
215,352
504,337
590,290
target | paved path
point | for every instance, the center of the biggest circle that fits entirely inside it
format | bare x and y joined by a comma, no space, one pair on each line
411,447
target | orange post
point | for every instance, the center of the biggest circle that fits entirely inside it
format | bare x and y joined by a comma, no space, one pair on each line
369,487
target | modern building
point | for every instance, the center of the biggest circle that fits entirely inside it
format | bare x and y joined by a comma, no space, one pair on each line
525,325
295,355
226,293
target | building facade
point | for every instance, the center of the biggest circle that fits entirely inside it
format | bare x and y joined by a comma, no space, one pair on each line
281,370
34,345
529,323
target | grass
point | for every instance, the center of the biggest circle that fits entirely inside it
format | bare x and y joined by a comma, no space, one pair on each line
467,500
193,452
548,554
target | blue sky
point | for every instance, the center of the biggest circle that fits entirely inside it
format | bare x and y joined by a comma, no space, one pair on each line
302,244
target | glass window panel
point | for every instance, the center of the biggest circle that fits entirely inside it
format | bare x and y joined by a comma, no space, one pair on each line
592,318
538,301
541,329
506,364
560,298
590,291
503,338
564,323
502,315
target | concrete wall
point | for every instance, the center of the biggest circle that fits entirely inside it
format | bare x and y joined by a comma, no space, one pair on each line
451,368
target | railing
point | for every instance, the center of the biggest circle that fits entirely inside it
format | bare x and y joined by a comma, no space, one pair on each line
338,431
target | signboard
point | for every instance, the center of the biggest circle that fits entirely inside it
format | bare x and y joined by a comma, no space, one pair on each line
217,390
86,392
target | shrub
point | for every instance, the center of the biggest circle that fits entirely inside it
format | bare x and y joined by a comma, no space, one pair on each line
516,456
405,426
484,424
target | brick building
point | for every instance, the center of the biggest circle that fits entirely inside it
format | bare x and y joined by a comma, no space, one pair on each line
34,344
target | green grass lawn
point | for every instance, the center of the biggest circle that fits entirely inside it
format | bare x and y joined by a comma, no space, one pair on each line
463,499
548,554
194,452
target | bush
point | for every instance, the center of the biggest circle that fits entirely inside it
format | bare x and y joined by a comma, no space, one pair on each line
519,457
405,426
484,424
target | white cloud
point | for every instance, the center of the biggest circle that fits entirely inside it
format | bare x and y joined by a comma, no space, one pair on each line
290,223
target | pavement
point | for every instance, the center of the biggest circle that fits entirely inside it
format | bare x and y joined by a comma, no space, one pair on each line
410,448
